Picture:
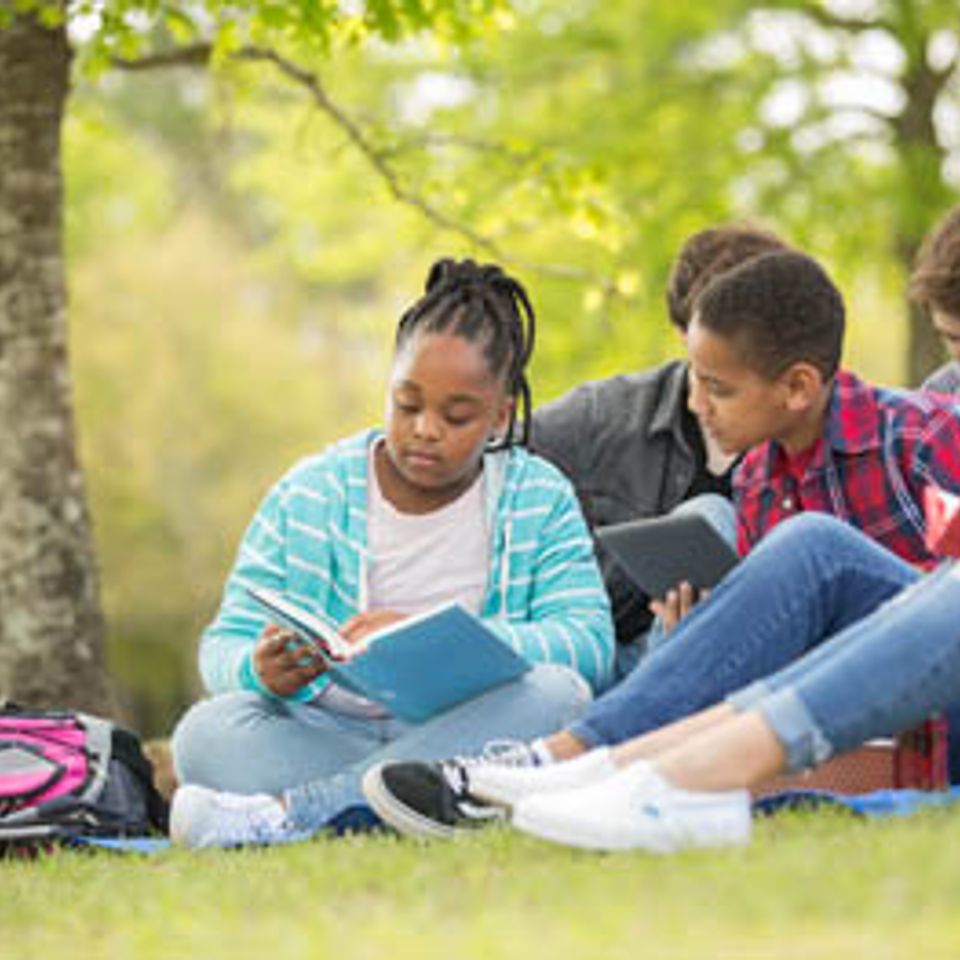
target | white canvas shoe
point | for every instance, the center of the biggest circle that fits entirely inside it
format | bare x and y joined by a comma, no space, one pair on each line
636,809
200,817
506,786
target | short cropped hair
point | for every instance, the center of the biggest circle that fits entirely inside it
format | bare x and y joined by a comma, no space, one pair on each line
935,281
781,308
706,255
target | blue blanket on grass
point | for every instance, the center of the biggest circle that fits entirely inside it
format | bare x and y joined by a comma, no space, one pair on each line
880,803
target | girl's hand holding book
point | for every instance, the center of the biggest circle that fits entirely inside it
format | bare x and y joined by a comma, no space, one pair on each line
283,662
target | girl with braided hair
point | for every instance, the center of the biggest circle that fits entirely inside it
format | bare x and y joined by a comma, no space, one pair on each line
442,504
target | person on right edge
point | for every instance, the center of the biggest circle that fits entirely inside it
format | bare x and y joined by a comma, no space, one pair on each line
935,286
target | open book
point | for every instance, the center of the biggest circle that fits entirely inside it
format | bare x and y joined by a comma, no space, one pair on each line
416,667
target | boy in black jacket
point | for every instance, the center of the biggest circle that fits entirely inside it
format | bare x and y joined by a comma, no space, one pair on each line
629,443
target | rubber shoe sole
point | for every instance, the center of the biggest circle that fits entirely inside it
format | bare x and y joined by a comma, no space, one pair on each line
398,815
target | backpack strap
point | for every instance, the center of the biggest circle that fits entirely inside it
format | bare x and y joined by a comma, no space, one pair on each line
128,750
99,750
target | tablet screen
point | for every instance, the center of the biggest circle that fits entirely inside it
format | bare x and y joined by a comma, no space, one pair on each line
660,552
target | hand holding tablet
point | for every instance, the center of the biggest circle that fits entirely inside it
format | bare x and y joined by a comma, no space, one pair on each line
659,553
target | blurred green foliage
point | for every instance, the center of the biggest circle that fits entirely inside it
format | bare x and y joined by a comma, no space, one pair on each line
200,377
239,258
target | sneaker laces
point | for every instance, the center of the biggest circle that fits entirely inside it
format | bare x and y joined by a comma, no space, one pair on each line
501,753
509,753
253,823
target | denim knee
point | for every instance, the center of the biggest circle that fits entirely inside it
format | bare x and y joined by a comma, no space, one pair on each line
717,510
199,733
814,530
562,691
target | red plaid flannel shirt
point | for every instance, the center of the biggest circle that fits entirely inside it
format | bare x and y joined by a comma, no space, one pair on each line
880,449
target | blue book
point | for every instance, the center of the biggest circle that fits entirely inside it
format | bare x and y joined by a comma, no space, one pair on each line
417,667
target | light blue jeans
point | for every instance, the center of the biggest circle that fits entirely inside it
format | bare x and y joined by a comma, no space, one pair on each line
884,674
720,513
807,582
247,743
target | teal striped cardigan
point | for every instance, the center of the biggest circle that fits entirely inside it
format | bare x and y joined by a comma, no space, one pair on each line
309,539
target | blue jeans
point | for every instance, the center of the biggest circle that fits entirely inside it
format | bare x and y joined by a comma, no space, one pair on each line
720,513
247,743
879,676
807,580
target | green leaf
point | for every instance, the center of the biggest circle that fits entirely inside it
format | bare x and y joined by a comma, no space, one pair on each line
182,27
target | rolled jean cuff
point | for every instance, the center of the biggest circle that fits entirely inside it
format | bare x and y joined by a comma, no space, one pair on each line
747,698
793,725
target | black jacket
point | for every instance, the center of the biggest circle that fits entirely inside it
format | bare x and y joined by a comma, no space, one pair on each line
623,444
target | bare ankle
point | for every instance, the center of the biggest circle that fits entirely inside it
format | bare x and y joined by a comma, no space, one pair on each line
564,745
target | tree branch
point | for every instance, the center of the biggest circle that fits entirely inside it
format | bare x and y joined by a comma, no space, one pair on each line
420,141
834,21
194,55
199,55
311,83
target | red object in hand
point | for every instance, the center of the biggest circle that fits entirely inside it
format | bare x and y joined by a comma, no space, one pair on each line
943,522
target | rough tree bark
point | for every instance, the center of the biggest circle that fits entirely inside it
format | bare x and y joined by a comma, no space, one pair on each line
925,194
921,195
51,624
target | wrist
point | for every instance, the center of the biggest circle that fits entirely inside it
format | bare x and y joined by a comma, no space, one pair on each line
250,678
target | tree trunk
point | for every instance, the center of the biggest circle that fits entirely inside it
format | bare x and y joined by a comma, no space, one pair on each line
924,194
51,625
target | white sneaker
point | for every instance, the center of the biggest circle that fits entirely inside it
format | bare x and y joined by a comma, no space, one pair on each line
636,809
200,817
506,786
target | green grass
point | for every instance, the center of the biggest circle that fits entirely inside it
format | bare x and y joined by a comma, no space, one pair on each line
808,887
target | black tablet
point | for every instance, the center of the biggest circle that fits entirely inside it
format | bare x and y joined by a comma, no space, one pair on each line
660,552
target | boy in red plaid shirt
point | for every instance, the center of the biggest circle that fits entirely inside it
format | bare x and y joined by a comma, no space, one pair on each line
764,347
764,353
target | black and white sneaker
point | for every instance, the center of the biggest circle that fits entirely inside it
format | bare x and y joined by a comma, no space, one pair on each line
433,799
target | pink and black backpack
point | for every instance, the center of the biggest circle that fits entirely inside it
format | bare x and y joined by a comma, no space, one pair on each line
65,774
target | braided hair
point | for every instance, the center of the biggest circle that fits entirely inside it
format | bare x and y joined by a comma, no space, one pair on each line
480,303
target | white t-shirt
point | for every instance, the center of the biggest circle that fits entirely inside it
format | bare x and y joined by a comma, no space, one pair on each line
417,561
420,560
